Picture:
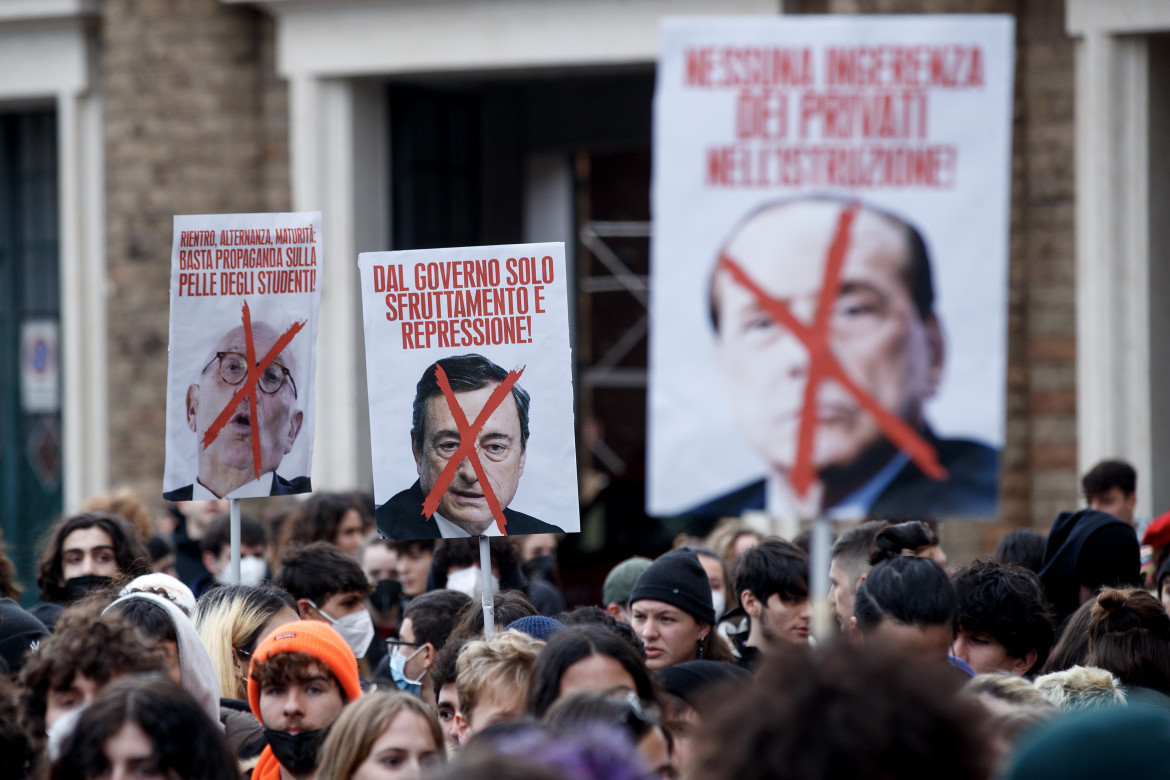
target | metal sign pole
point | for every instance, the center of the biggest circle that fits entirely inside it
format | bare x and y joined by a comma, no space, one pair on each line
234,569
488,599
819,575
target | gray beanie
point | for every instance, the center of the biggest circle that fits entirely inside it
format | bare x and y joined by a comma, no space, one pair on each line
677,578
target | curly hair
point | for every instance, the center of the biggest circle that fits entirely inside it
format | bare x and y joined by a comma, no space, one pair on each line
100,647
129,552
292,666
502,662
1008,603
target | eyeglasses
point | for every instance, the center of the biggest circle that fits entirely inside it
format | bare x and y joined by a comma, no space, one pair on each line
393,643
233,369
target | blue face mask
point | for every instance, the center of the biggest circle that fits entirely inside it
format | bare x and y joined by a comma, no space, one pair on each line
398,672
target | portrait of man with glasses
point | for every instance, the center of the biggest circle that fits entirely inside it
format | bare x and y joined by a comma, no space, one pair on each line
226,463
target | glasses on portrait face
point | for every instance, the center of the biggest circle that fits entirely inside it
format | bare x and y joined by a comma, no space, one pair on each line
233,369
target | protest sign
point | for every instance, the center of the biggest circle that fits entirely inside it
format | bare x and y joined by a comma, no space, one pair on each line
829,266
245,292
470,385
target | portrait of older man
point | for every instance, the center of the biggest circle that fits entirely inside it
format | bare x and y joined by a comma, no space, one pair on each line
881,329
227,467
501,446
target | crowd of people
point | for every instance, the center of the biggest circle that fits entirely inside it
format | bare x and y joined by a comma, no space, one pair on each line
337,654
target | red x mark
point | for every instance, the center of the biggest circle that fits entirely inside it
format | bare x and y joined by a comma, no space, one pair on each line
468,437
248,387
824,364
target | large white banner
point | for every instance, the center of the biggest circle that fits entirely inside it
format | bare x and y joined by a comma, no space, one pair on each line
245,292
471,394
829,267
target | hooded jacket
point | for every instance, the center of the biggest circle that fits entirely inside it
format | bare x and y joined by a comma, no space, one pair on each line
1088,548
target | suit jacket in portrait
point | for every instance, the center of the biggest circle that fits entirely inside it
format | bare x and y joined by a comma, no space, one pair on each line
401,518
280,487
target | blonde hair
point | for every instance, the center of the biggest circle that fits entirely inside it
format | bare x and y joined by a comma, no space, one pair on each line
230,617
360,724
501,662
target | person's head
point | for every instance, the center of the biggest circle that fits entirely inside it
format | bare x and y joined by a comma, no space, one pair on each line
771,583
1081,687
384,736
912,537
426,625
850,561
1129,635
1022,547
227,462
68,669
731,537
844,711
414,563
328,585
231,620
162,555
455,565
537,546
1004,622
91,550
907,604
671,608
125,502
717,576
378,558
883,329
443,676
1111,487
501,442
586,658
217,549
302,675
493,676
145,727
329,517
619,583
638,718
508,607
1085,551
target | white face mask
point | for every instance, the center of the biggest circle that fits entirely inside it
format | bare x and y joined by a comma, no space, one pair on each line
252,570
61,729
470,581
356,629
720,602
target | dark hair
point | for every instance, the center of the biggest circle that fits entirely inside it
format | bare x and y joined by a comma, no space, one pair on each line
570,645
317,519
635,716
152,620
432,615
845,711
318,571
159,547
289,666
404,546
184,741
1072,648
1109,474
443,671
462,553
772,566
1008,603
852,548
917,275
1022,547
129,553
464,373
593,615
912,591
893,539
510,606
1129,635
219,534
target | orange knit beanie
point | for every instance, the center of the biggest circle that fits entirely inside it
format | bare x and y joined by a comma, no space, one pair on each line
312,637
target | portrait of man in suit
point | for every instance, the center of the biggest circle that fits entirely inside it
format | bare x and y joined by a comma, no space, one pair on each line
880,327
435,438
226,465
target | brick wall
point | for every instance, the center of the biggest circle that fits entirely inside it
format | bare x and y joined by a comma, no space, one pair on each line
195,122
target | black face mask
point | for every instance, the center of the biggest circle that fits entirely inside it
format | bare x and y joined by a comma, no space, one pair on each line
296,752
544,567
386,594
77,588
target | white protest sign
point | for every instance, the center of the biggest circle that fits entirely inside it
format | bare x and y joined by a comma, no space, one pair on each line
470,386
245,293
829,267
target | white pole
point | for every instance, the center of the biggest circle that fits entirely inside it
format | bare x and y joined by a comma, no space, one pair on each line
488,598
234,569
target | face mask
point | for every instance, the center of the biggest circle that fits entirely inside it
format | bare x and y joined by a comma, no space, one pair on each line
398,671
543,567
469,581
296,752
253,570
719,601
357,629
77,588
61,729
386,594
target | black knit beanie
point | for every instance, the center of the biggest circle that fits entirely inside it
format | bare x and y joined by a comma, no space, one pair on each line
677,578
